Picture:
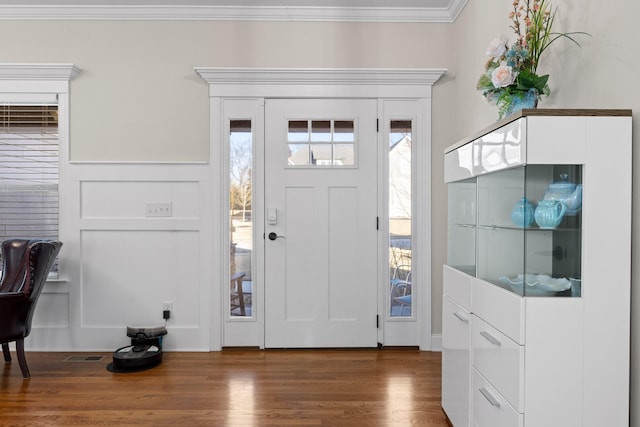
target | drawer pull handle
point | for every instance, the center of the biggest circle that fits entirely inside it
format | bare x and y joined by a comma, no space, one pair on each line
487,395
461,317
493,340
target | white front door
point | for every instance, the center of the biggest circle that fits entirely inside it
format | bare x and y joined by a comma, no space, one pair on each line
320,223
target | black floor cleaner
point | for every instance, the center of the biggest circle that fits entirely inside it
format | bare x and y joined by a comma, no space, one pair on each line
144,352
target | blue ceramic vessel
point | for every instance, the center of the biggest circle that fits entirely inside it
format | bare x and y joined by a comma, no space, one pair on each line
549,213
522,213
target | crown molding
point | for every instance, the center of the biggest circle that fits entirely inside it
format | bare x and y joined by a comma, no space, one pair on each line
234,13
307,76
320,82
455,8
41,72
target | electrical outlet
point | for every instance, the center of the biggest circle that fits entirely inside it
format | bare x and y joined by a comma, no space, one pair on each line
157,209
167,306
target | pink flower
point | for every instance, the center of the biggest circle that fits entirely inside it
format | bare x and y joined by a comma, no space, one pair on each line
503,76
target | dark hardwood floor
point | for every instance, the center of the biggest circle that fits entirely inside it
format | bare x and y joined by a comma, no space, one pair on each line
389,387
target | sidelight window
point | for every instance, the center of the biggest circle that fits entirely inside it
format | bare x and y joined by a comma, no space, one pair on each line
241,218
400,218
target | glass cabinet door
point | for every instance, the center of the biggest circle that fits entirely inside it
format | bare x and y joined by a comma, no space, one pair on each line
529,229
500,241
553,245
462,226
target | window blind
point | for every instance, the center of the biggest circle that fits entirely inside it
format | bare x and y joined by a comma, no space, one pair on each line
28,171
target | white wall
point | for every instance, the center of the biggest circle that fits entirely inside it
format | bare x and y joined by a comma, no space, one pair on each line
138,97
601,74
139,132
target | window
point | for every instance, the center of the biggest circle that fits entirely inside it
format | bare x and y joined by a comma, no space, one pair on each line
240,213
400,218
28,171
321,143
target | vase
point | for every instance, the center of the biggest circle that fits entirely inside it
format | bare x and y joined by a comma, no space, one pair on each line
522,213
519,101
549,213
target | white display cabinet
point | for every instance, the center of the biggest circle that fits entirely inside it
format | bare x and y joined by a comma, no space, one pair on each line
536,292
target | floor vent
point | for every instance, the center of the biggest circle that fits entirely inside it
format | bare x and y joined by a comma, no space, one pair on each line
84,358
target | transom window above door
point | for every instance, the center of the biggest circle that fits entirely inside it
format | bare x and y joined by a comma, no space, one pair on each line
321,143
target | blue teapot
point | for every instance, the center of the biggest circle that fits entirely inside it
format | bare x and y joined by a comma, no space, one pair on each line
568,193
522,213
549,213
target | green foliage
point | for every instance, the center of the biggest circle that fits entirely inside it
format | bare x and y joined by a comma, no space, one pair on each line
527,80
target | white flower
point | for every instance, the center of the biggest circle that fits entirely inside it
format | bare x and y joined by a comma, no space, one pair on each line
503,76
497,48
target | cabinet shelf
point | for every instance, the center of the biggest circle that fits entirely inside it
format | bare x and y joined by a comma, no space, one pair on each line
516,228
530,228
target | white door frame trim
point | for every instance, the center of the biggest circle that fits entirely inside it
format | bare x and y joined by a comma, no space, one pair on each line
320,82
260,83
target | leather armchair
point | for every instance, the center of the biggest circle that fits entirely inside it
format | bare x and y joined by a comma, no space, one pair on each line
25,266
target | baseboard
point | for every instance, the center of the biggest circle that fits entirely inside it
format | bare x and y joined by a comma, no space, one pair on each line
436,342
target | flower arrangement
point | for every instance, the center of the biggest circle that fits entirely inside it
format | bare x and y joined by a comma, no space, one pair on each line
510,79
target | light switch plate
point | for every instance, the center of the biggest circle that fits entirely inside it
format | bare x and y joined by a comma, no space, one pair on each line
158,209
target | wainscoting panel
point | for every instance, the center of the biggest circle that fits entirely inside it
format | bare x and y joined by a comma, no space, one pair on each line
52,310
127,275
119,265
97,198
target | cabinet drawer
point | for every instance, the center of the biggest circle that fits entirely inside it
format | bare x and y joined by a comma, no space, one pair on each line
457,286
500,360
490,408
456,361
504,310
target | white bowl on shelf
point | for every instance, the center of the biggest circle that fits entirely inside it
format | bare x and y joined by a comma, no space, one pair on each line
537,285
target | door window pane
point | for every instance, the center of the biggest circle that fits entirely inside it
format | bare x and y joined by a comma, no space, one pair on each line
321,154
343,131
329,143
321,131
240,213
298,155
400,218
343,154
298,131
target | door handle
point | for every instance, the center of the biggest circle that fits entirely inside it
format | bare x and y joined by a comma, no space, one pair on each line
493,340
487,395
274,236
461,317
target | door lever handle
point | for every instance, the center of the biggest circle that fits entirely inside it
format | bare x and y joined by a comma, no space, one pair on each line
493,340
274,236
